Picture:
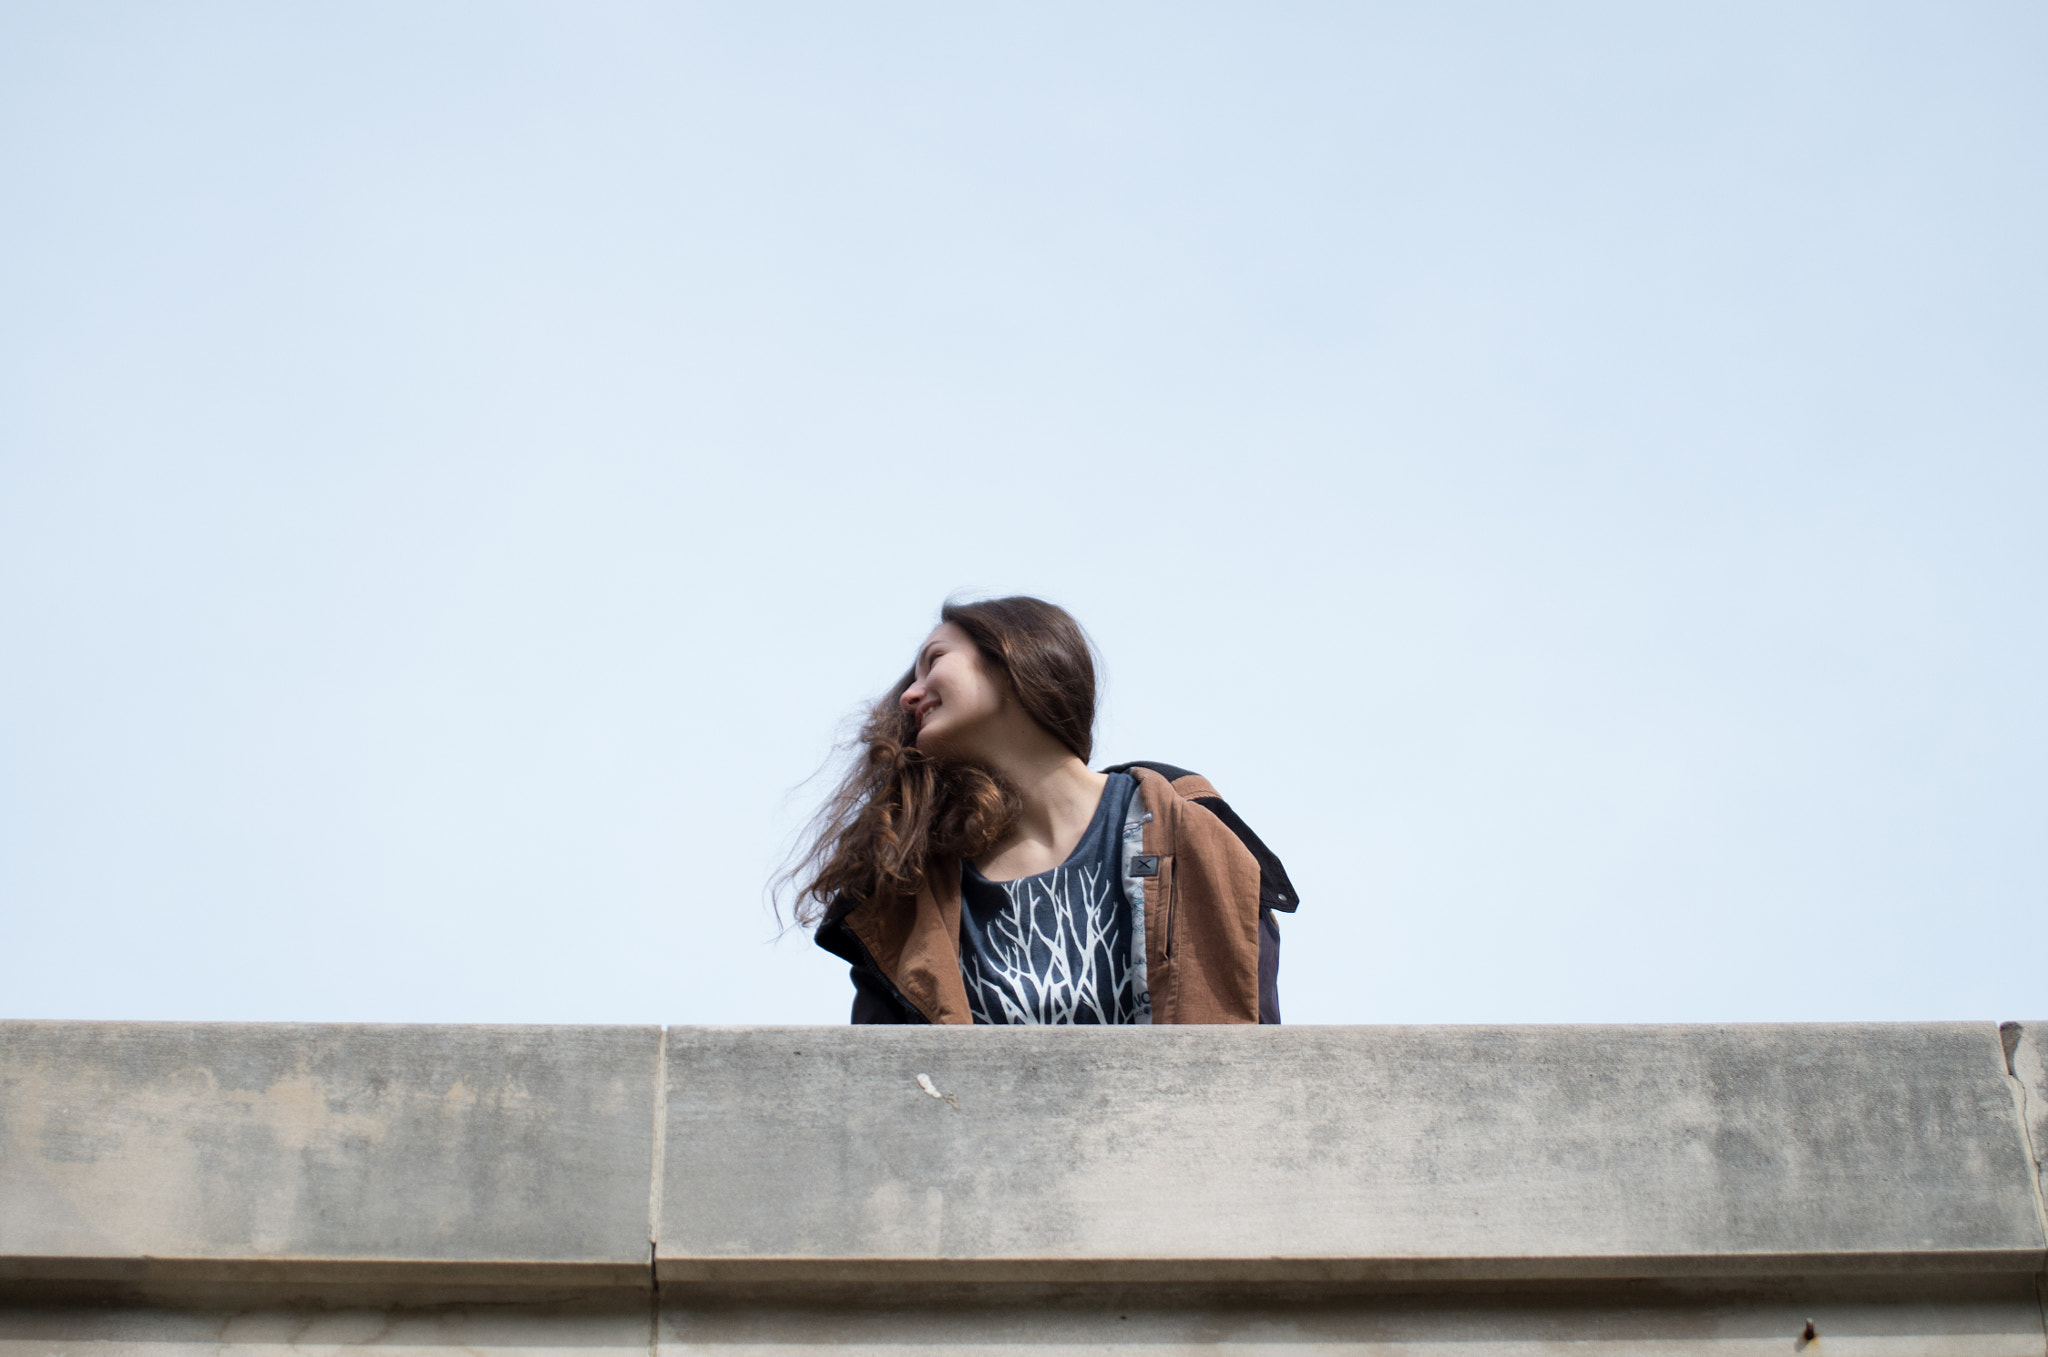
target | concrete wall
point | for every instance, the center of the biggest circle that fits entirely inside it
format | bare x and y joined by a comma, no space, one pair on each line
132,1150
1369,1190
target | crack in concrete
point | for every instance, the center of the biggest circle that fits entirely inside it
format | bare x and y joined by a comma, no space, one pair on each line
653,1306
2009,1036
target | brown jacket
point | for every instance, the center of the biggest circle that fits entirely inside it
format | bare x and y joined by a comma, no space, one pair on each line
1205,921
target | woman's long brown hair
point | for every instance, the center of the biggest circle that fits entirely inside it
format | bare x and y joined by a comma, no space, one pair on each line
897,808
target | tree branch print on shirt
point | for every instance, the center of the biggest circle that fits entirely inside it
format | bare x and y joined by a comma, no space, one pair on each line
1054,954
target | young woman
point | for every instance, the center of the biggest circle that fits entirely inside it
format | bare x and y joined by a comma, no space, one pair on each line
972,868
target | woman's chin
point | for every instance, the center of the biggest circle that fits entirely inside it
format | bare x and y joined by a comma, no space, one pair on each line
938,744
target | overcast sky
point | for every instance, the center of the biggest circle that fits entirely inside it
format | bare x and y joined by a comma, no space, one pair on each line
1573,476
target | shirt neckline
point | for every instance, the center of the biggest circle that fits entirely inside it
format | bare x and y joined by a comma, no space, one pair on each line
1101,809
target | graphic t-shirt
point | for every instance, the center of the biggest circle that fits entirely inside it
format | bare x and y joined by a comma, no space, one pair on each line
1058,947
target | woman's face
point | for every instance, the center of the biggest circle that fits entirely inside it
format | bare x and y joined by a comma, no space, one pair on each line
952,694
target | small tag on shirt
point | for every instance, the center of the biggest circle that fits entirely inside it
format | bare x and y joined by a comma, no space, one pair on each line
1144,864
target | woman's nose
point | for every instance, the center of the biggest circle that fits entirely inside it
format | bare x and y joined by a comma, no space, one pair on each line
912,696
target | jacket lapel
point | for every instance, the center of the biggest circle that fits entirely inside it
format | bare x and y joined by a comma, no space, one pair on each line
1157,796
917,944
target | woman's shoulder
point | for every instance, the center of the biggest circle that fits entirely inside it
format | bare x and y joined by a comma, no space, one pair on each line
1189,786
1275,890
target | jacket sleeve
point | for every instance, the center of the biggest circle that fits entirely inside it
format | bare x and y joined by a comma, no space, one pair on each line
872,1001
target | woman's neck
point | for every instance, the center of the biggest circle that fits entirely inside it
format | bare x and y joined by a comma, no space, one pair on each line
1059,795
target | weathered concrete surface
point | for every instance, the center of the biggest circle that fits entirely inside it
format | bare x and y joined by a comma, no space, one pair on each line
140,1151
1253,1154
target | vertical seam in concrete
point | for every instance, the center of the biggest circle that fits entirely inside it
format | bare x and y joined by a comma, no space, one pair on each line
660,1144
654,1181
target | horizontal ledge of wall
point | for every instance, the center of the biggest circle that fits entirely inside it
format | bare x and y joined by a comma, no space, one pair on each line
767,1274
398,1273
157,1273
270,1283
428,1279
915,1286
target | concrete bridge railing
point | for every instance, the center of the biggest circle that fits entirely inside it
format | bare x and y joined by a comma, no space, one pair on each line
778,1189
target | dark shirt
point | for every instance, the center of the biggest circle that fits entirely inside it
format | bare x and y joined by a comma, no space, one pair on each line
1055,947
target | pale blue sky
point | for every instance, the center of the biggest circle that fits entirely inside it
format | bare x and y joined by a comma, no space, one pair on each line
1572,475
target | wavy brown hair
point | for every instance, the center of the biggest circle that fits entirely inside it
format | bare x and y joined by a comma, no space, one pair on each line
898,808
